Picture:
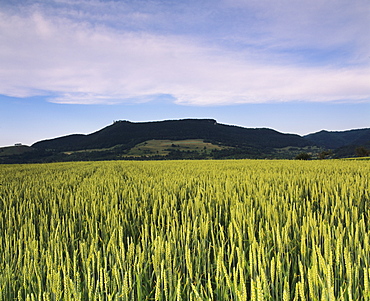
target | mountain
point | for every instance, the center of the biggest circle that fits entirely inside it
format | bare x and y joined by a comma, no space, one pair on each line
189,139
127,134
338,139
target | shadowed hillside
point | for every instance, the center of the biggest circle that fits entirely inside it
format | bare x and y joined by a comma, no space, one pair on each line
334,140
128,134
189,139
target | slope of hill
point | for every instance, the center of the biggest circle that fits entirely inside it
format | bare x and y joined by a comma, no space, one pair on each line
187,139
333,140
14,150
127,134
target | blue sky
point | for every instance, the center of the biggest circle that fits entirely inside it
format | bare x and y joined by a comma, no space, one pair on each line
74,66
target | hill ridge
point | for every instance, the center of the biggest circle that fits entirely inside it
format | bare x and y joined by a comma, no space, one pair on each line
124,139
130,133
337,139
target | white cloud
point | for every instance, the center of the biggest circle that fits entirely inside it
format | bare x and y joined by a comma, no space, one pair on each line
76,61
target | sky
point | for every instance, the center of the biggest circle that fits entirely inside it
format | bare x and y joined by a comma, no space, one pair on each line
75,66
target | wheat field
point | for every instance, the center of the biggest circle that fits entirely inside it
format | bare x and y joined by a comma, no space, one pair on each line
185,230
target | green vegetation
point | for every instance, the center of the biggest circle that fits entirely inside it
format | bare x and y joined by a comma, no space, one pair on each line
185,230
14,150
303,156
362,152
165,147
128,134
125,140
293,152
161,150
333,140
358,158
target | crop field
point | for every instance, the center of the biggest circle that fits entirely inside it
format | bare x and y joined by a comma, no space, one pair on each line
185,230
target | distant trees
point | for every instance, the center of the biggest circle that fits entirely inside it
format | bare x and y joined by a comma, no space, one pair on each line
362,152
303,156
325,154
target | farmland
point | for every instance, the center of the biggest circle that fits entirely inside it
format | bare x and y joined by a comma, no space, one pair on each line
185,230
164,147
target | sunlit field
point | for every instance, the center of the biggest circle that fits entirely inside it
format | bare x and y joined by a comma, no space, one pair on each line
185,230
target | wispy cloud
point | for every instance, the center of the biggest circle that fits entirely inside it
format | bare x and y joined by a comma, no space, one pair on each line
111,52
312,24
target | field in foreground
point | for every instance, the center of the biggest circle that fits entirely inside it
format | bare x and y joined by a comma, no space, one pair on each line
185,230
